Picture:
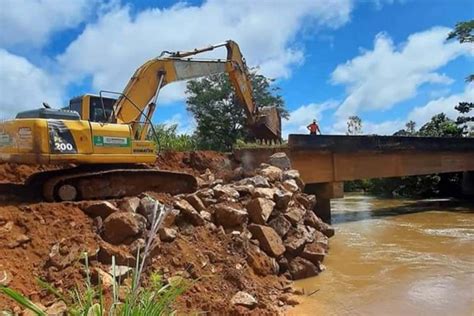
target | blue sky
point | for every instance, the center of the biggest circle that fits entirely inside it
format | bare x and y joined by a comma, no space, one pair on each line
384,60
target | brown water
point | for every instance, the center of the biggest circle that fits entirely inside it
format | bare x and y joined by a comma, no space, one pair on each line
395,257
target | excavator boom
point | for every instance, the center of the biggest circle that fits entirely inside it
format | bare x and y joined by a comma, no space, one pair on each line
144,86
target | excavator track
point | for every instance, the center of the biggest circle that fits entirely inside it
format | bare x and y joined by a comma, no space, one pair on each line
101,182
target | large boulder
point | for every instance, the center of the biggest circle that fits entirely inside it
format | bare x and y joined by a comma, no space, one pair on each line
146,207
280,160
121,254
308,201
269,240
291,185
226,191
260,262
229,216
314,252
196,202
312,220
294,214
259,210
271,173
301,268
120,226
281,225
282,198
100,208
188,212
129,204
267,193
257,181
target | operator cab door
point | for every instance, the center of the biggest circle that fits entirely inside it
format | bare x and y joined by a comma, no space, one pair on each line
93,108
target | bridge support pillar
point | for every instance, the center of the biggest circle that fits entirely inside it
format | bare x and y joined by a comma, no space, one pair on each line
468,182
324,193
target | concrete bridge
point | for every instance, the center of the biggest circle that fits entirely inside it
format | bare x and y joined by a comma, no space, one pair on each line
325,162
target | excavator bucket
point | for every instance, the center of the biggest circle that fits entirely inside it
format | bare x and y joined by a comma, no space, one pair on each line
268,125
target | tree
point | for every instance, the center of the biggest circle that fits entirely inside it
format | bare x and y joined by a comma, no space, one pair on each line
440,126
410,127
354,125
464,33
214,104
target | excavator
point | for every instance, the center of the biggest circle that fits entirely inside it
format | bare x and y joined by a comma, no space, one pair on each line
103,142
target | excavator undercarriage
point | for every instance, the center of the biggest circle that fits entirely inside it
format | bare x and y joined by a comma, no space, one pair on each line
89,182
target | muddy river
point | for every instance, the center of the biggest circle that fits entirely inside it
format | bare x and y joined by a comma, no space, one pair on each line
396,257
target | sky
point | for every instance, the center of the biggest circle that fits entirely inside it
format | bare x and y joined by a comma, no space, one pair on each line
386,61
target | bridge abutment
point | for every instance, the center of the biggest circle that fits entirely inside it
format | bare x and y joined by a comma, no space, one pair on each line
324,193
468,183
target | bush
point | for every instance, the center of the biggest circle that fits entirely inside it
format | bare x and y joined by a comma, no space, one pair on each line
167,138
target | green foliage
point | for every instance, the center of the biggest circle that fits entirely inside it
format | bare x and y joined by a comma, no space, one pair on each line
220,119
463,32
440,126
416,186
354,125
167,138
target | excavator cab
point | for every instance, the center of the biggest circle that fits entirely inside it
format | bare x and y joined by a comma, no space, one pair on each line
93,108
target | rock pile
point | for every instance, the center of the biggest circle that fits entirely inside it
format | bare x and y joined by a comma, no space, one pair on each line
267,211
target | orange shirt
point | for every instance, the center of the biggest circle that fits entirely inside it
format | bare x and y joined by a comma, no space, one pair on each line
313,127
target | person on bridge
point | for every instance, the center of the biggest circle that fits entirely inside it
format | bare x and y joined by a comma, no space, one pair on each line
313,128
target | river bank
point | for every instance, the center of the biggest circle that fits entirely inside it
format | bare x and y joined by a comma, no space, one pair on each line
396,257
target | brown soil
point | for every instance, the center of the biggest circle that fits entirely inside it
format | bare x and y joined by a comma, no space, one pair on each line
196,162
29,230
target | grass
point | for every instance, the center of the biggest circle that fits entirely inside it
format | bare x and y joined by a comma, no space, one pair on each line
88,300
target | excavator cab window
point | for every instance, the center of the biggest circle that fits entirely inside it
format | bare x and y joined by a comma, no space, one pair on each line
97,111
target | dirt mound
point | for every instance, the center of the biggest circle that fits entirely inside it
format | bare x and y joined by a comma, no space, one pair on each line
246,236
196,162
27,235
17,173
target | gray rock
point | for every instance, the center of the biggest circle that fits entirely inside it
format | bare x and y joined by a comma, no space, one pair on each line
280,160
259,210
130,204
228,216
291,174
291,185
271,173
269,240
196,202
189,212
167,234
244,299
281,225
301,268
267,193
282,198
295,214
226,191
257,181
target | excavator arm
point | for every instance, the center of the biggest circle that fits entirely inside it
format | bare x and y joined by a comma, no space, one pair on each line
139,96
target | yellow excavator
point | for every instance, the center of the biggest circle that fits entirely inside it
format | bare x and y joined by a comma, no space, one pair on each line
107,139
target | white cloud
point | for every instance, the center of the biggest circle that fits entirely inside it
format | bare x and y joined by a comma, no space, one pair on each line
304,115
186,123
379,78
110,49
31,22
24,86
423,114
